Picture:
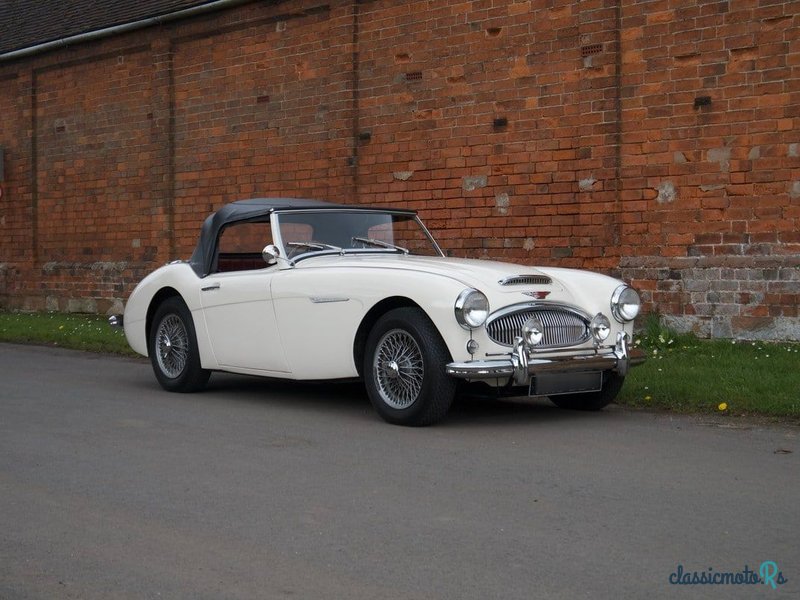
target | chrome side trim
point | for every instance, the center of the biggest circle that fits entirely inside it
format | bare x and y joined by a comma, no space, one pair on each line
327,299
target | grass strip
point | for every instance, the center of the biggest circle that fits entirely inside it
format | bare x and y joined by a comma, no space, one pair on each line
91,333
687,374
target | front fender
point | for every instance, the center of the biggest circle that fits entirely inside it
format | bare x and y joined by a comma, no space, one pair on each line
319,316
185,283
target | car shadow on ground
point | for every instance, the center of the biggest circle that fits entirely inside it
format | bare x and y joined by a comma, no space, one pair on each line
349,399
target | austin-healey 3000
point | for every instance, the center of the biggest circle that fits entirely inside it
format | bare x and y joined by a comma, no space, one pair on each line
308,290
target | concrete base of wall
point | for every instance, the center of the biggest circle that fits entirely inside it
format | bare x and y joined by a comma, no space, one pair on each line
774,329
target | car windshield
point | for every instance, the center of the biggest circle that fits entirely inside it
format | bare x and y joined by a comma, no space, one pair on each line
359,231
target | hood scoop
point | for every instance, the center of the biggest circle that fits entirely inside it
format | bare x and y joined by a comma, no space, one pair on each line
526,280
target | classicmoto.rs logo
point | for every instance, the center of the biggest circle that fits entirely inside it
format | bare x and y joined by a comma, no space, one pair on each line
768,574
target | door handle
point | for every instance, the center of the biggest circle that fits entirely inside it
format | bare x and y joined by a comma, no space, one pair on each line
213,286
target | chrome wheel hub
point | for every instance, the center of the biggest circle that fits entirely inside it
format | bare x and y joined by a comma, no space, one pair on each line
398,369
172,346
392,370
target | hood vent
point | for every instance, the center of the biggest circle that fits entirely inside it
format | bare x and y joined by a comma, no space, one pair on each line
526,280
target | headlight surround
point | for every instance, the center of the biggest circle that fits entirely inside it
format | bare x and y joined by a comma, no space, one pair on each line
471,308
625,303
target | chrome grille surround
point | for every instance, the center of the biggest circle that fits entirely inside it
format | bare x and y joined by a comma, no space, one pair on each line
526,280
563,325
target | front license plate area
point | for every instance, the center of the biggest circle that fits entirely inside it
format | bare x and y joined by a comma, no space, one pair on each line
553,384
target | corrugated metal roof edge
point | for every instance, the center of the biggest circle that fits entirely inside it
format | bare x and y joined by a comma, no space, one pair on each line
117,29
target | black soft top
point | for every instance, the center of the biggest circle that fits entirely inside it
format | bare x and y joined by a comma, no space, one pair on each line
256,209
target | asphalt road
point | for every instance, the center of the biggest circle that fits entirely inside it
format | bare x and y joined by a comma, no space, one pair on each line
112,488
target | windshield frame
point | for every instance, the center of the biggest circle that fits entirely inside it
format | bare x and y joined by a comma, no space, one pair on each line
279,242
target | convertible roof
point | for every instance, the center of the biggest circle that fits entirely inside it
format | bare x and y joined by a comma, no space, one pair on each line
254,210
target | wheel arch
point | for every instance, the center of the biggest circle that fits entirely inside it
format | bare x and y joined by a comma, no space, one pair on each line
369,320
157,299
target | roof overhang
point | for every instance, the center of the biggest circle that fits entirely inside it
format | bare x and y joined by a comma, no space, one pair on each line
118,29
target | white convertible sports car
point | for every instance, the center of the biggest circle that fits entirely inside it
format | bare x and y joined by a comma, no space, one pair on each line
308,290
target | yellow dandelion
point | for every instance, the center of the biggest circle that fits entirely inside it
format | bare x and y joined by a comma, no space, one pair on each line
648,398
723,406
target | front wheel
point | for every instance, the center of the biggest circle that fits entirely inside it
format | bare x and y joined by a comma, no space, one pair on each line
612,384
404,367
173,348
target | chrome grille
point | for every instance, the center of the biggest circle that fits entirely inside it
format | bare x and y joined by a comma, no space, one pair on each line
561,327
526,280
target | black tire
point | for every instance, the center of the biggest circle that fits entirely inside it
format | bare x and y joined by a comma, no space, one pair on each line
612,384
172,347
413,390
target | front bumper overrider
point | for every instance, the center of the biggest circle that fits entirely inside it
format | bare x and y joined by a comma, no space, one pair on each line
521,367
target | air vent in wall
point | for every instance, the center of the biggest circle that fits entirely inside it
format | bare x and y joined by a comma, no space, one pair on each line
591,49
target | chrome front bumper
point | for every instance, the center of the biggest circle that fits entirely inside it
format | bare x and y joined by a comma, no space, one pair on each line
521,368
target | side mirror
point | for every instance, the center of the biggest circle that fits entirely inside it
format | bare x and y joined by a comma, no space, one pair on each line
270,254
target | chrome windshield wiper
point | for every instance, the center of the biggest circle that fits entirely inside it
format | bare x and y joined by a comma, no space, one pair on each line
313,246
379,244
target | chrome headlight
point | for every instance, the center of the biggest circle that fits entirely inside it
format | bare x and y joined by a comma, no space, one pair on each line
532,332
471,308
625,303
600,327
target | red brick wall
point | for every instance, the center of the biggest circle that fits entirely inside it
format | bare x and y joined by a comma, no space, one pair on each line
16,232
261,109
655,140
711,163
438,79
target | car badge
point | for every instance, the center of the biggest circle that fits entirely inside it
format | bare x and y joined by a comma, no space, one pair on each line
537,295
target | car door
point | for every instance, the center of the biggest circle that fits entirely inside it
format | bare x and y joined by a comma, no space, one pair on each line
319,313
237,303
240,319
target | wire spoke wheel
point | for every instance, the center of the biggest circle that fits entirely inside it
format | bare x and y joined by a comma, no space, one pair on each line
173,350
399,369
404,368
172,346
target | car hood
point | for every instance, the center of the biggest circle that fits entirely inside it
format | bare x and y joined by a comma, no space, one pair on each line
472,272
570,286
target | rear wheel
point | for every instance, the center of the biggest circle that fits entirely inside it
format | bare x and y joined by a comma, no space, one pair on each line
173,348
404,369
612,384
